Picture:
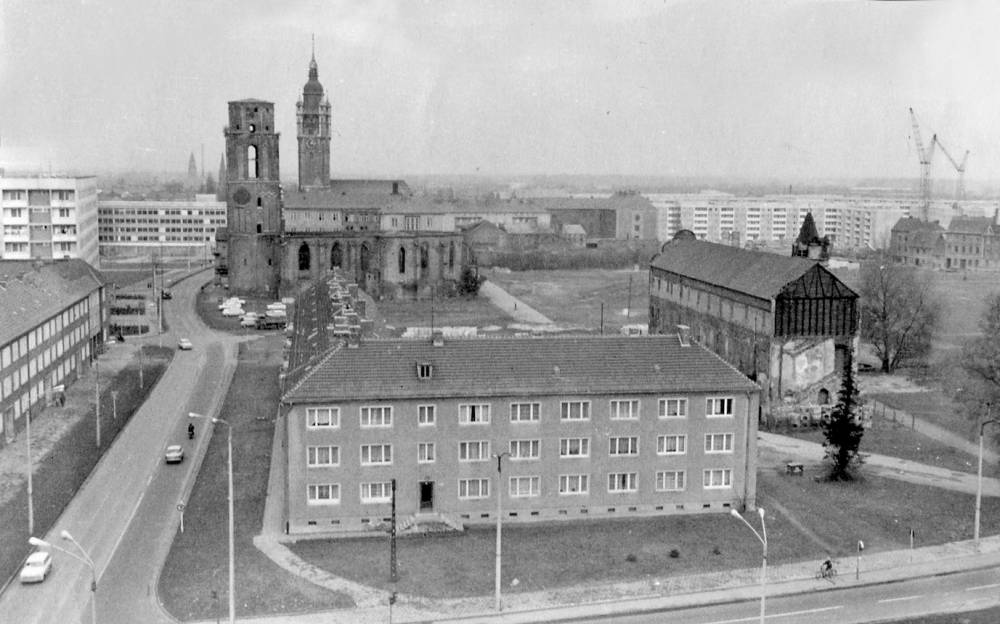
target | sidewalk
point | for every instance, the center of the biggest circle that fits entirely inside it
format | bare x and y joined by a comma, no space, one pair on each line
510,305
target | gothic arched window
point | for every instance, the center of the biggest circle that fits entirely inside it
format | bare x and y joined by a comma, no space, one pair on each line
304,257
252,170
402,260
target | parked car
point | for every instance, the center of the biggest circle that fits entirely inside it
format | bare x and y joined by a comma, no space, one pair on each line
276,314
174,454
270,323
165,294
248,321
865,367
37,567
232,312
184,344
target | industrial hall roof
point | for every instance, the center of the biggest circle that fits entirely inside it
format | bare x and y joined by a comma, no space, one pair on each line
755,273
32,292
518,366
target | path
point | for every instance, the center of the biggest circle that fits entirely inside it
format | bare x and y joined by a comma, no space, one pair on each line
514,307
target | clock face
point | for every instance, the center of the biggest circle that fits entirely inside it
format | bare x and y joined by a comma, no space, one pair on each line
311,142
241,196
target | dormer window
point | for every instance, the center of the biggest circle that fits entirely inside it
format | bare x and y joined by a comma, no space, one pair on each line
424,370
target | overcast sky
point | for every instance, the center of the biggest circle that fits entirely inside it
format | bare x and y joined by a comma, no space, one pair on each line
778,90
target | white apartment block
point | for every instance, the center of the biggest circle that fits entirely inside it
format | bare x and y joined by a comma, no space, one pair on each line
851,221
172,228
49,217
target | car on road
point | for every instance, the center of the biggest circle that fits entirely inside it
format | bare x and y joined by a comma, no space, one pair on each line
166,295
37,567
184,344
174,454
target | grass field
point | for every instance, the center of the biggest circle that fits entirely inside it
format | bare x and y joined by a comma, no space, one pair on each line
575,298
397,315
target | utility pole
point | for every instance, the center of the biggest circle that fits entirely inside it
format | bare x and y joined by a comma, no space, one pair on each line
393,570
628,306
97,396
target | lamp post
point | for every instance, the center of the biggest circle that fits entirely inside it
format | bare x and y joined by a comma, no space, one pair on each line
979,474
97,395
85,558
762,536
31,506
499,549
232,575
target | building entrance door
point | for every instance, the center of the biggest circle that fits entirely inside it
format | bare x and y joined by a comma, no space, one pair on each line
426,495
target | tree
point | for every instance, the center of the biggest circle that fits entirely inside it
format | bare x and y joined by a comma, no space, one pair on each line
980,360
899,311
469,284
843,431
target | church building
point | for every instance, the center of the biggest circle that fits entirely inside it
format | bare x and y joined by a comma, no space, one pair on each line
390,242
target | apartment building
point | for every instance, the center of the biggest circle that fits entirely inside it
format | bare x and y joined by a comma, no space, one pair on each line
49,217
580,427
162,228
54,321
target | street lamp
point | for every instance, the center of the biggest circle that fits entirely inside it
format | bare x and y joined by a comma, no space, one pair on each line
232,574
979,477
499,549
762,536
85,558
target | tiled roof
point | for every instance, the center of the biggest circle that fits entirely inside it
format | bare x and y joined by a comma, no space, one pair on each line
482,367
29,295
754,273
970,225
909,224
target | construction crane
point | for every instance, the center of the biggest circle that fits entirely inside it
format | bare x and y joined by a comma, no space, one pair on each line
925,156
960,168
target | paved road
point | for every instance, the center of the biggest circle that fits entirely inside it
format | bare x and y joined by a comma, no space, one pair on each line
965,591
130,483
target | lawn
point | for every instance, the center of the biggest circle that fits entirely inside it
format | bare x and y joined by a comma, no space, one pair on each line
399,314
58,477
876,510
932,406
192,571
575,298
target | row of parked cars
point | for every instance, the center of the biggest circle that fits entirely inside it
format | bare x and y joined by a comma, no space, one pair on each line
274,317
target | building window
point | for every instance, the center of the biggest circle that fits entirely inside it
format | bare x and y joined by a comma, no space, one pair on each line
425,453
473,488
574,447
378,492
478,450
317,417
521,487
673,408
525,412
474,414
322,456
252,169
402,260
424,370
425,415
669,480
323,494
718,407
524,449
717,479
376,454
622,482
626,445
574,484
575,410
625,410
376,416
718,443
671,445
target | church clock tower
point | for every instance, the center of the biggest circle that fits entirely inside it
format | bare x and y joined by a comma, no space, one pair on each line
313,116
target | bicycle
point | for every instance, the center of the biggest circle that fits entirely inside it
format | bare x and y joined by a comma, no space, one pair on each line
826,573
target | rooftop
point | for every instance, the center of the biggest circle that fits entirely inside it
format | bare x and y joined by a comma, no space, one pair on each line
30,294
518,366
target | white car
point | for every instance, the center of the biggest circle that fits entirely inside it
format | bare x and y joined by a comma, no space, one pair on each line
174,454
232,312
37,567
248,321
184,344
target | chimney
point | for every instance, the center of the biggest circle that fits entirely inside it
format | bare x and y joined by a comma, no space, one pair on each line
437,338
684,335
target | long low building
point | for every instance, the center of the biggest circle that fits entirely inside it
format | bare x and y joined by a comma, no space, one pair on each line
54,320
579,426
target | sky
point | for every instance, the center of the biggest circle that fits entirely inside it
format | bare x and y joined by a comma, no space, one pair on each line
751,90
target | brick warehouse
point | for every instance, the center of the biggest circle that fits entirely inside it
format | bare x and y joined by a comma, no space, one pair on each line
787,323
588,426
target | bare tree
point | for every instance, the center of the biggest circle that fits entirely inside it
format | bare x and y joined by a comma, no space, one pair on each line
899,311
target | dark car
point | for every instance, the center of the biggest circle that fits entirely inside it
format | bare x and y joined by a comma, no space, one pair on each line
166,295
265,322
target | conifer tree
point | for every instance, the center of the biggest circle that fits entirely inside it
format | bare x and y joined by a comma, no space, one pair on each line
843,431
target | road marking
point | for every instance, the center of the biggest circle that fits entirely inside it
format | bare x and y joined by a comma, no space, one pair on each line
901,598
777,615
977,588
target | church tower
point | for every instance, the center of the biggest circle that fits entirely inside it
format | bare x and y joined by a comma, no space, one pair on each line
253,198
313,117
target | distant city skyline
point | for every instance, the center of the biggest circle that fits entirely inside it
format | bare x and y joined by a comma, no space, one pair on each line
752,90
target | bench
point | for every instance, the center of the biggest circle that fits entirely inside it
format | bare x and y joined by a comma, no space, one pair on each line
793,468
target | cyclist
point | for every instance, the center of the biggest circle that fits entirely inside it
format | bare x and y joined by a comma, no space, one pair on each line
826,569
